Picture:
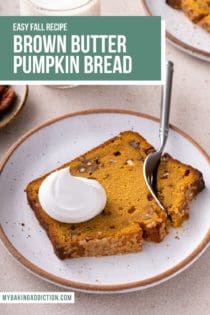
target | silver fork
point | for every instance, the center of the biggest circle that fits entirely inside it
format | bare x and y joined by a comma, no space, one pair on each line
153,159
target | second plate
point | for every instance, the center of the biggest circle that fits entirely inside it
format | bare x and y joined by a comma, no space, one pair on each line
180,31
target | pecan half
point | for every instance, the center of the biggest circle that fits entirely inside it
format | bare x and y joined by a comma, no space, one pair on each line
6,99
2,87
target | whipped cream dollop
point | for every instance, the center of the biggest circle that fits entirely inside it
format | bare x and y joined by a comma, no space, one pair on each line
71,199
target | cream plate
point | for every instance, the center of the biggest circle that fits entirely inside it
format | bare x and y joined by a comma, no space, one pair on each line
21,97
63,139
180,30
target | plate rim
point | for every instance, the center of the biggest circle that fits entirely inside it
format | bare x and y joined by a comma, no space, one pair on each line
98,287
177,42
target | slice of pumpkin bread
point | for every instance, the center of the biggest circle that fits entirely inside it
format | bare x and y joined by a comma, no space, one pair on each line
196,10
177,185
176,4
130,215
205,23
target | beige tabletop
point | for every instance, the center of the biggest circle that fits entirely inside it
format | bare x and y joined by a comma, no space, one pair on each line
189,292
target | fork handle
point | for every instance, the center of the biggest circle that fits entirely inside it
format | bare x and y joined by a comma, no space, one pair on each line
165,106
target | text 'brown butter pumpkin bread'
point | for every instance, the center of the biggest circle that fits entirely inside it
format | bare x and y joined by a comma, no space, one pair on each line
131,214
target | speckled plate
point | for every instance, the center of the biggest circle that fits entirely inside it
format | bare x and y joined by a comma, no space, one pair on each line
181,32
22,94
61,140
